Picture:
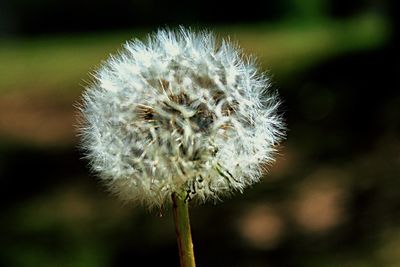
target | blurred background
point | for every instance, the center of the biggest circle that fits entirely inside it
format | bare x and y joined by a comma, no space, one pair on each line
331,199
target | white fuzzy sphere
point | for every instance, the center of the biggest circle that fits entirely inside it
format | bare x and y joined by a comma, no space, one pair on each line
179,113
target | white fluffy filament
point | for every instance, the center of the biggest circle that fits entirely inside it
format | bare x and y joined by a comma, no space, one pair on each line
179,113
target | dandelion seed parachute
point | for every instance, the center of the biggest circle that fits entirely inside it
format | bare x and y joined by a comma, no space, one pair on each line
179,113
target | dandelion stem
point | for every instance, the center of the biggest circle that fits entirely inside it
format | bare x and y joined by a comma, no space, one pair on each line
183,233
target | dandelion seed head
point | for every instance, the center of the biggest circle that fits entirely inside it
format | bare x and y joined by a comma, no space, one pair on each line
179,113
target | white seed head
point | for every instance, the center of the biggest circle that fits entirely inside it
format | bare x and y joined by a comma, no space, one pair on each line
179,113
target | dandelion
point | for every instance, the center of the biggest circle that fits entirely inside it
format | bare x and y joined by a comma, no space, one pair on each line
179,115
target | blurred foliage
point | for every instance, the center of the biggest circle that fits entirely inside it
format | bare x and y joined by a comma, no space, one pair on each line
46,16
331,199
62,62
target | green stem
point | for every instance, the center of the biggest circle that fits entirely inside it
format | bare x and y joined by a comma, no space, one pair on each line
183,234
